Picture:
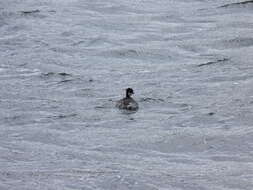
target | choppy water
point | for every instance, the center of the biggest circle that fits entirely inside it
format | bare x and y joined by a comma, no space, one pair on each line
64,63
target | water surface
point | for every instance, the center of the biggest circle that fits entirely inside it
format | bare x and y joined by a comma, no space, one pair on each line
65,63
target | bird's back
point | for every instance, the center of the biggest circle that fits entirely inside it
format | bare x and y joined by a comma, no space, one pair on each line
127,103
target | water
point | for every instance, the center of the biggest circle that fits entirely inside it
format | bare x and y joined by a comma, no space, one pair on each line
64,64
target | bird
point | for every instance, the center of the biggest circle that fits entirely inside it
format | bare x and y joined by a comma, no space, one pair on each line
128,103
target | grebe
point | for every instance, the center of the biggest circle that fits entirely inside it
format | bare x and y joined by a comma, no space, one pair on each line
128,103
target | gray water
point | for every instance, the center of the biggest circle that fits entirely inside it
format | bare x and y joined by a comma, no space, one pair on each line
64,64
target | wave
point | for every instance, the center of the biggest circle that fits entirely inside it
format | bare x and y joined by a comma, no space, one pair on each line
237,4
234,43
214,62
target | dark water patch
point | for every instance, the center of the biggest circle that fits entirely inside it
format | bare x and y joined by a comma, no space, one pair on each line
33,13
100,107
51,74
15,29
2,23
20,119
14,42
30,12
230,159
130,52
239,42
63,116
7,14
95,42
52,11
152,100
237,4
246,25
64,74
2,20
59,78
168,18
62,49
40,43
230,78
214,62
67,34
183,106
48,74
141,53
78,43
66,80
12,118
121,53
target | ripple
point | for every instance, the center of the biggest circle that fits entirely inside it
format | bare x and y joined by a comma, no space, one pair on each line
30,12
33,13
53,74
237,42
214,62
237,4
63,116
141,53
152,100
